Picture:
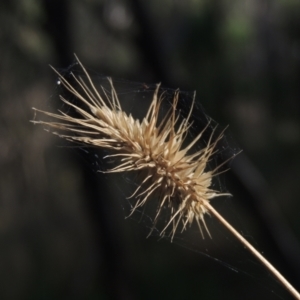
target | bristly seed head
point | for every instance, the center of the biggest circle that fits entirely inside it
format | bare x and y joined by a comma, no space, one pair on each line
181,180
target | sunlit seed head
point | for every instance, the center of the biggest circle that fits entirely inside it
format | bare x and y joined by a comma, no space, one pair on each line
180,178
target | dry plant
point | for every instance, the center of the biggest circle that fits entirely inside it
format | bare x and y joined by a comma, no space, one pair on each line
155,148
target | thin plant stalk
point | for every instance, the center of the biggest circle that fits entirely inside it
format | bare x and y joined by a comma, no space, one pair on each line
260,257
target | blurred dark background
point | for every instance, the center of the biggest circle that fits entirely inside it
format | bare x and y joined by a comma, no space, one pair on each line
63,234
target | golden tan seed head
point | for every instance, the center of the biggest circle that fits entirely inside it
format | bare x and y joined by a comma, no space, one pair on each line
180,180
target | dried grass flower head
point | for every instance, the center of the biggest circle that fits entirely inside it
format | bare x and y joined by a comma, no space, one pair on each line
170,172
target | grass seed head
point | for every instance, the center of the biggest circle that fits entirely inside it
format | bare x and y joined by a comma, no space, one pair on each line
169,172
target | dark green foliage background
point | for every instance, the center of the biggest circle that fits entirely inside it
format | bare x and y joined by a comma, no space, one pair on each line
62,228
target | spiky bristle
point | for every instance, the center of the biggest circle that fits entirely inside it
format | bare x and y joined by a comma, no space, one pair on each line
181,179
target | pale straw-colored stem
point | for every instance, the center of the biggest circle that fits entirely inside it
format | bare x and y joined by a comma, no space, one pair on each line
261,258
